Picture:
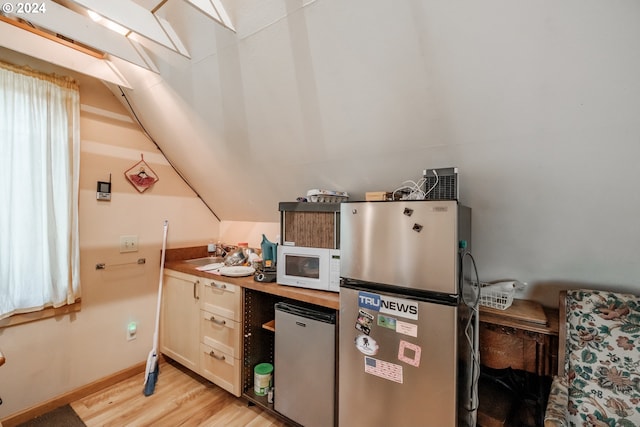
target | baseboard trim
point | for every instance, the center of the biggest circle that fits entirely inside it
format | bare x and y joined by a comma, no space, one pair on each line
72,396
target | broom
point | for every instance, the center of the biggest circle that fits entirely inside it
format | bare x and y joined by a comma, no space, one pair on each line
151,372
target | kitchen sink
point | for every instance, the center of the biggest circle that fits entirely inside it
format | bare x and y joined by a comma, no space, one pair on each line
200,262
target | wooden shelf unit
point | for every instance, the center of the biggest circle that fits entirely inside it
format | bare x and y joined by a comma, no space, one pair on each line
259,328
270,325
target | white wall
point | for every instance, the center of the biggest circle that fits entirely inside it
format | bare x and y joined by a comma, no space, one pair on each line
535,102
234,232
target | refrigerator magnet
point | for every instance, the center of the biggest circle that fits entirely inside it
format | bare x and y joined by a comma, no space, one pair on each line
364,322
386,370
409,353
366,345
387,322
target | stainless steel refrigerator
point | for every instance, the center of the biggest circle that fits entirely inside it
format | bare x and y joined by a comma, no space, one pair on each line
408,331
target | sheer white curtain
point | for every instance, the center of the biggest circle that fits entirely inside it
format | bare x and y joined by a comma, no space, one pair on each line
39,173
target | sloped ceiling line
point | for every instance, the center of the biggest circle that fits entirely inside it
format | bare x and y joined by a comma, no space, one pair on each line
173,166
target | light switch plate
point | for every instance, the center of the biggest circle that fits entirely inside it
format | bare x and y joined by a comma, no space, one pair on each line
128,244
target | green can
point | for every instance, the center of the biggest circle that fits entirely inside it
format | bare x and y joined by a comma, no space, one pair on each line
262,375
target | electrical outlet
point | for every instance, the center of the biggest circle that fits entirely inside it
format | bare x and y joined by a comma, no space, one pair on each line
128,244
132,331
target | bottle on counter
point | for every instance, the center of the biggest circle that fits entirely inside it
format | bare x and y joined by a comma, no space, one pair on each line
212,249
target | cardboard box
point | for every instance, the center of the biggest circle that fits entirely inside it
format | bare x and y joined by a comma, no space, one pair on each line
377,195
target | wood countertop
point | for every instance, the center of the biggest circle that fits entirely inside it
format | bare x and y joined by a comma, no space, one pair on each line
322,298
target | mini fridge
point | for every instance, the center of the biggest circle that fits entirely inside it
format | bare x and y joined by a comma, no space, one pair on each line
304,364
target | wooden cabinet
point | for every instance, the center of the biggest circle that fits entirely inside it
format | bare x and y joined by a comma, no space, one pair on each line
522,337
520,345
220,331
180,319
201,327
234,326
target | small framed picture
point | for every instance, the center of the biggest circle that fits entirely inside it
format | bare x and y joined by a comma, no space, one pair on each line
141,176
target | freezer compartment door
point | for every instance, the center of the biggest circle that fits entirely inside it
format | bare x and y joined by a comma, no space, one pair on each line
412,244
398,365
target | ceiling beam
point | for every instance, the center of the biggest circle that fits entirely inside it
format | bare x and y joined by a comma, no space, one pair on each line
135,18
61,20
166,26
52,49
217,4
24,26
214,9
205,7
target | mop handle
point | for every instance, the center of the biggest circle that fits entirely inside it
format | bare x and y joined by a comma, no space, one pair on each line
164,245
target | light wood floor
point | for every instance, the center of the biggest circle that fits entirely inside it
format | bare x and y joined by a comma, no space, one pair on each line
179,399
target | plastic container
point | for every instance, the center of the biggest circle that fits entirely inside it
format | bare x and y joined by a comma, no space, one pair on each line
498,295
327,196
262,374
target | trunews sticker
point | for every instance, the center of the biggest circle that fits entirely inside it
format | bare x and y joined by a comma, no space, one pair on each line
388,305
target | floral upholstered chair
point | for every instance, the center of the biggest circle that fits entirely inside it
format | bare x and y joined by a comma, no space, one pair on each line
599,361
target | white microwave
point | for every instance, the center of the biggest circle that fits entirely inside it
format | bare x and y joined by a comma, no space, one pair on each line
313,268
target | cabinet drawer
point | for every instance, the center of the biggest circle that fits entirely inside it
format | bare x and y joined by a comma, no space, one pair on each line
220,368
222,298
220,332
501,347
509,347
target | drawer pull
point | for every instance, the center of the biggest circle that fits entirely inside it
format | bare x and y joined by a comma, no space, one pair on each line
195,290
219,286
215,356
219,322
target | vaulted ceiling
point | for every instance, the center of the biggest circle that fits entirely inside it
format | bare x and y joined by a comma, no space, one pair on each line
253,101
258,101
103,30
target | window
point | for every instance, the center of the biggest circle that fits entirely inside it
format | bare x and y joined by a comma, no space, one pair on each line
39,173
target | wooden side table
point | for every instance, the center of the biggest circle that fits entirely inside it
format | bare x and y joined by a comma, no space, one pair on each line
524,337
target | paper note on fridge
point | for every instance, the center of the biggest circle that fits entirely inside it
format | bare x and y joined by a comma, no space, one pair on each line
410,329
388,305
